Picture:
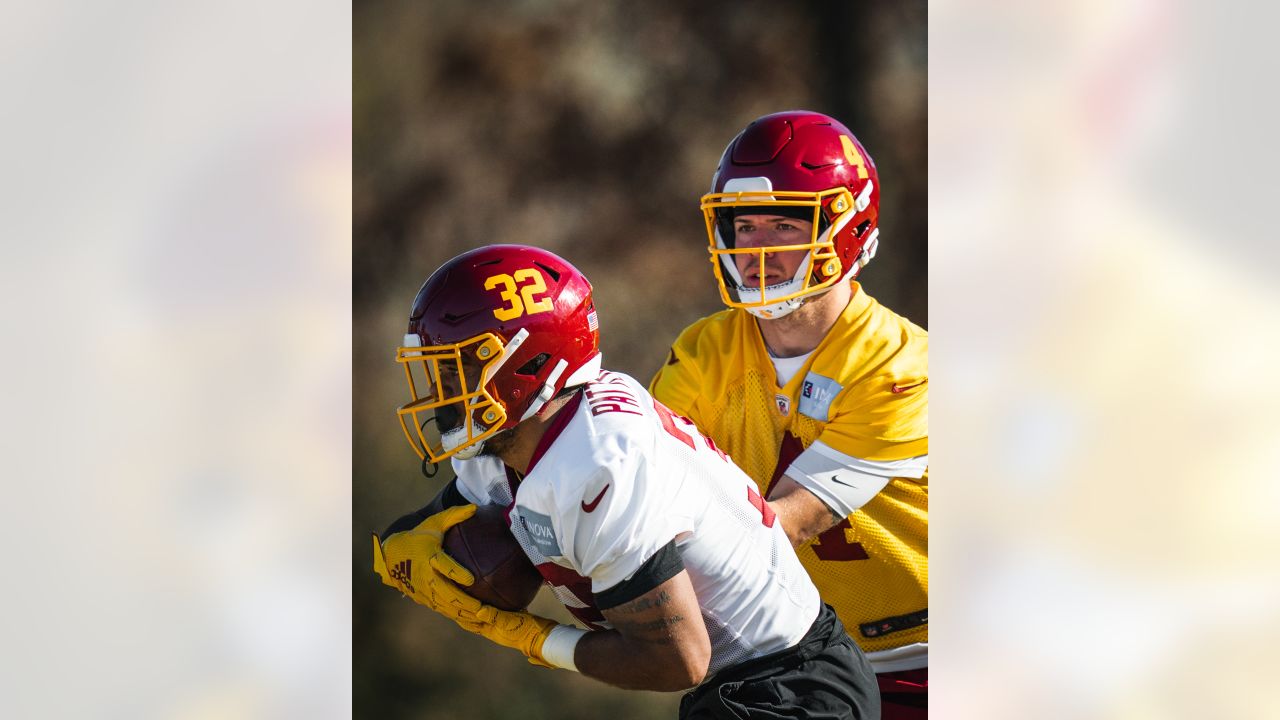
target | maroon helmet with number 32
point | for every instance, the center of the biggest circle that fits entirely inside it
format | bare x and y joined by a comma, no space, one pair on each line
802,164
493,335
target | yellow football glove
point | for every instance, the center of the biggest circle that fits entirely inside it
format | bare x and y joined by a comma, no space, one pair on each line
518,630
414,563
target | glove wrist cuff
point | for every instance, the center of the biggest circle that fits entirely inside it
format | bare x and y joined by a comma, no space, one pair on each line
560,645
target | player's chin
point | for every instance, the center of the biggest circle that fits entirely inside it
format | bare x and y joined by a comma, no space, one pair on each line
496,444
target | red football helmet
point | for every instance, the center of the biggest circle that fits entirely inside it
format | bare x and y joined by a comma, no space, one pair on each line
801,164
493,335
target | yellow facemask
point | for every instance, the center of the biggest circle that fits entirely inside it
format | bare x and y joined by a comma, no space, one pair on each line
453,374
821,269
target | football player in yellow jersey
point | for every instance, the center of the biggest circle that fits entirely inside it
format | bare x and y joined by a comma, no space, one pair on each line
816,390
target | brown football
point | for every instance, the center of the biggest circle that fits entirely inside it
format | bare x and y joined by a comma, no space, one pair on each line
484,545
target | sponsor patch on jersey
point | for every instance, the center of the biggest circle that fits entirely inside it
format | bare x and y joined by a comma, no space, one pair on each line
816,395
784,404
540,531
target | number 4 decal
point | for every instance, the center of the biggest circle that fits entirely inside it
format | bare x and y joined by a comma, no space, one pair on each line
854,157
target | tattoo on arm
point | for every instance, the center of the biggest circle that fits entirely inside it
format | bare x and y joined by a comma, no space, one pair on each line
646,628
659,640
644,603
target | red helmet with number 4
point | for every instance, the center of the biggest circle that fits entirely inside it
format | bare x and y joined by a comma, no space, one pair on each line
797,164
493,335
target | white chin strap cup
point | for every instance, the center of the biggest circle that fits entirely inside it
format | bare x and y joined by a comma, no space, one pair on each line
457,436
777,310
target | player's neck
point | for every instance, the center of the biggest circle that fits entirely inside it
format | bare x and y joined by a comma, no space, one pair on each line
804,329
518,452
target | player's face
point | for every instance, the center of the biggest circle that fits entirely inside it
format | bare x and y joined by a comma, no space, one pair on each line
449,417
754,231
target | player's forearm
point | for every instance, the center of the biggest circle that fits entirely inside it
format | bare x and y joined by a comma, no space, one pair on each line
802,515
637,665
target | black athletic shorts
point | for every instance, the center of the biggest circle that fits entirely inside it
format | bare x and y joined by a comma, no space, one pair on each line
823,677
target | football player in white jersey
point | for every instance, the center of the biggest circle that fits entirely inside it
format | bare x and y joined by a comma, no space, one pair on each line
649,534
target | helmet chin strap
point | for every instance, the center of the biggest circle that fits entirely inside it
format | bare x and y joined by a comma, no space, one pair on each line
585,374
548,389
777,310
868,249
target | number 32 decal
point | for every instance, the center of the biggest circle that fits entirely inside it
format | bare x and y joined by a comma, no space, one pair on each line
523,303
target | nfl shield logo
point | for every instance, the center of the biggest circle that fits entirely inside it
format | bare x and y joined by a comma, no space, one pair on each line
784,404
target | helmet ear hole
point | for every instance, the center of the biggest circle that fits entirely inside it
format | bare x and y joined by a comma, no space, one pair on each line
532,367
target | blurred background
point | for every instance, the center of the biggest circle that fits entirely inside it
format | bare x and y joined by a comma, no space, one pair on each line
1105,411
590,129
175,271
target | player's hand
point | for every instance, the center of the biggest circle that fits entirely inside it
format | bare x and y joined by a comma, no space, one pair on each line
414,563
517,630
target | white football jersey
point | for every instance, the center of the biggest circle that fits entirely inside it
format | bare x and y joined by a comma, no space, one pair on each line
618,476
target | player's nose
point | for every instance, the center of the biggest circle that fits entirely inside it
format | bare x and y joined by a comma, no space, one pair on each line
449,384
758,239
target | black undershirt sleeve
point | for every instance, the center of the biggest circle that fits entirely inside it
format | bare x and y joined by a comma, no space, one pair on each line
449,497
664,565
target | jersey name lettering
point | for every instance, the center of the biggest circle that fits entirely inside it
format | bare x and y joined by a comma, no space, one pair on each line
612,400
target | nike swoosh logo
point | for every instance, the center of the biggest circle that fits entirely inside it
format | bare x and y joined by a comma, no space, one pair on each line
903,388
588,507
836,479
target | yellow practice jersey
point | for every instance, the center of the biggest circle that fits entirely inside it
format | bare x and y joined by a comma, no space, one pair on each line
862,392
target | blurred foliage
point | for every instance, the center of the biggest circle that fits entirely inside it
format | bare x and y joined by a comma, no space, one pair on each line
590,129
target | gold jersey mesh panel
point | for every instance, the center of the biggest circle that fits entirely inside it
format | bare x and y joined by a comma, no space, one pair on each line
752,444
873,567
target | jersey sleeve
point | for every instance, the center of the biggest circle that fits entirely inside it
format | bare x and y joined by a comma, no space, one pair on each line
878,424
845,483
678,382
621,523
